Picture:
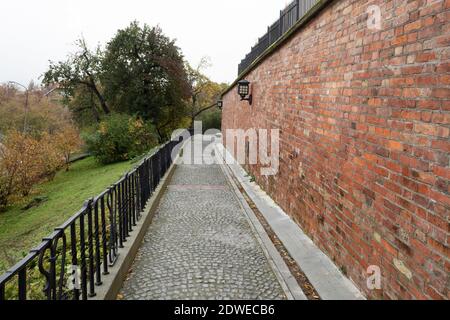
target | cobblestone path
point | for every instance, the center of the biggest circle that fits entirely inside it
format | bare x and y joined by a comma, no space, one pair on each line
200,245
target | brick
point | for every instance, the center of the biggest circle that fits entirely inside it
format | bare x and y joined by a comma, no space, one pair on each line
442,172
442,118
427,80
432,130
376,110
443,145
413,26
395,145
444,79
425,57
441,93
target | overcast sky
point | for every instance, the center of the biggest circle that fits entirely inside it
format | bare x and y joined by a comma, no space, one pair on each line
35,31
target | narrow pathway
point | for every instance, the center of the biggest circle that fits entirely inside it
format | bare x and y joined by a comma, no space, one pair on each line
200,245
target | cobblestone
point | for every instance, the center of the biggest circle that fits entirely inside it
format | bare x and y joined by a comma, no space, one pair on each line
200,245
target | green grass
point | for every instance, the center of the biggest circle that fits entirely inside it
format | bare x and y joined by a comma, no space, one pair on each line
21,230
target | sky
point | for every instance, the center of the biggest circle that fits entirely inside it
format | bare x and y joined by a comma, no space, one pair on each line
34,32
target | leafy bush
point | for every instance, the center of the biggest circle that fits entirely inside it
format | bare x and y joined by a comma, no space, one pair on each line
25,160
4,192
66,142
49,157
44,114
21,162
120,137
211,120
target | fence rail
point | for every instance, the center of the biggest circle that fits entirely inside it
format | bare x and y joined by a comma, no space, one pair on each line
71,262
288,17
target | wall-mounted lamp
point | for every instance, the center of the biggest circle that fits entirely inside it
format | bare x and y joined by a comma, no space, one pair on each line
244,91
220,104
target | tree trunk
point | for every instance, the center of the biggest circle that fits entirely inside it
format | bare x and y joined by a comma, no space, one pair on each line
160,135
102,100
201,111
94,109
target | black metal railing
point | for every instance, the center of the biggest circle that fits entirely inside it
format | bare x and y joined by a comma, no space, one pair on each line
72,261
288,17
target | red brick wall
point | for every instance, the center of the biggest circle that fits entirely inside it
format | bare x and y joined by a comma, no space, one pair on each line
365,120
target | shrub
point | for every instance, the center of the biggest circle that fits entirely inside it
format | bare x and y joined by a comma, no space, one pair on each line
120,137
4,192
44,115
23,162
67,141
211,120
50,159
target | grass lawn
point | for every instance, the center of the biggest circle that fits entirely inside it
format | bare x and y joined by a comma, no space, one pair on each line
21,230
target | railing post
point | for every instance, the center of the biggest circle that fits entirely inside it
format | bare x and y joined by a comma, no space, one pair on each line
98,278
120,212
112,202
22,282
147,180
138,189
2,292
133,198
73,253
125,208
151,176
128,204
104,244
84,294
297,3
159,165
91,249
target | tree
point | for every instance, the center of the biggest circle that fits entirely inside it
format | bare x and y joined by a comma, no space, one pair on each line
120,137
8,171
28,157
67,141
21,163
49,157
144,75
80,70
211,119
44,114
26,160
204,92
85,108
140,72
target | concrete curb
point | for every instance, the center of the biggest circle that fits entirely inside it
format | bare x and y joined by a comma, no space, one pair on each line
113,282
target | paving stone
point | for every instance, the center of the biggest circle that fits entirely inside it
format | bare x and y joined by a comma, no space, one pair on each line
200,245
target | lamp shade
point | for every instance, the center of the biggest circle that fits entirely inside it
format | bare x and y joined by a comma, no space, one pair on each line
243,88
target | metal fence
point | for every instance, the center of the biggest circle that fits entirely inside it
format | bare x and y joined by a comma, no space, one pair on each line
71,262
288,17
